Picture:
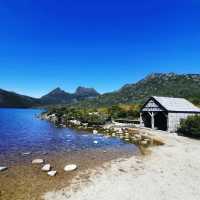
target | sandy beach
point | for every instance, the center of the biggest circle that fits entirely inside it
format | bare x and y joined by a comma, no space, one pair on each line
168,172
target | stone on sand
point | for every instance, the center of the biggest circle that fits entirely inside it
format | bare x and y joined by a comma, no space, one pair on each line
52,173
37,161
69,168
46,167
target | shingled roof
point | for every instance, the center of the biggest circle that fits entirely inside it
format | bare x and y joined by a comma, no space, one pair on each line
176,104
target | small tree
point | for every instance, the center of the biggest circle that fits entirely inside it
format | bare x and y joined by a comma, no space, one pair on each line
190,126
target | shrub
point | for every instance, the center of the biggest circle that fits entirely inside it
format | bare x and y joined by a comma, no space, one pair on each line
190,126
94,119
124,111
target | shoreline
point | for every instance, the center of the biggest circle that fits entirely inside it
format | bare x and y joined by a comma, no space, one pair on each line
141,137
170,172
24,181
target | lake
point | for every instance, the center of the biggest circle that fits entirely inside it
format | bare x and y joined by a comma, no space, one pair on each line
22,131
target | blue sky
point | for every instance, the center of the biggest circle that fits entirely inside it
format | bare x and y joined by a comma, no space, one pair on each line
103,44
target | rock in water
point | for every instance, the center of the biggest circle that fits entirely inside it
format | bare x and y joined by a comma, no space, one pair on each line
3,168
69,168
95,131
52,173
95,142
26,153
46,167
38,161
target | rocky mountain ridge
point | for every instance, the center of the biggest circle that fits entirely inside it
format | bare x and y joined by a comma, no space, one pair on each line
156,84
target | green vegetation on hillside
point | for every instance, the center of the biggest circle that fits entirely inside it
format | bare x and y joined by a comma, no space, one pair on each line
172,85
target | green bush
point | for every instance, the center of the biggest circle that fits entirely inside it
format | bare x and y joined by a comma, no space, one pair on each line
93,119
190,126
123,111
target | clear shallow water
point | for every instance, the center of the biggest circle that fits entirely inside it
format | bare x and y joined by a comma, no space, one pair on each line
21,131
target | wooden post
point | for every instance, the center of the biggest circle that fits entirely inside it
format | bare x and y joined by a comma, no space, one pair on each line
141,121
152,120
167,117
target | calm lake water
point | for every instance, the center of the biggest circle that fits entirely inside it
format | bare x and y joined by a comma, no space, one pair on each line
21,131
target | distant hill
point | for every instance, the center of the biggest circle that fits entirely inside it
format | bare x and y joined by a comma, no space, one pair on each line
160,84
56,96
11,99
157,84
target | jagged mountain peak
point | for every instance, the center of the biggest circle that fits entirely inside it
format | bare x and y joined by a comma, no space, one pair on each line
86,91
57,90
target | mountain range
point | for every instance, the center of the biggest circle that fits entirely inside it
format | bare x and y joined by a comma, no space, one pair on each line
157,84
56,96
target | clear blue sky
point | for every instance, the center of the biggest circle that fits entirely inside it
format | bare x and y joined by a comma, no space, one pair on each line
102,44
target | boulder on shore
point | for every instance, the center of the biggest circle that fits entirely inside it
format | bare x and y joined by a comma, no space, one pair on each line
3,168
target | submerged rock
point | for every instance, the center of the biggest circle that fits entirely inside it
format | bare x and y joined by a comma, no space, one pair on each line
95,131
26,153
3,168
46,167
69,168
37,161
52,173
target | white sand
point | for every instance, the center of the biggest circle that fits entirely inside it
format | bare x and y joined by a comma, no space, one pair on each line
170,172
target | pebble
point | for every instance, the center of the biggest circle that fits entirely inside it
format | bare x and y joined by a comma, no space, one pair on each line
26,153
95,142
46,167
3,168
52,173
38,161
69,168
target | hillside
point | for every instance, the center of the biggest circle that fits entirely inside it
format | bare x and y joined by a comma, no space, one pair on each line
11,99
174,85
55,97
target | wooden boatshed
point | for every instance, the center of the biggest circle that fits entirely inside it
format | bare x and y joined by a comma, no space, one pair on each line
165,113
